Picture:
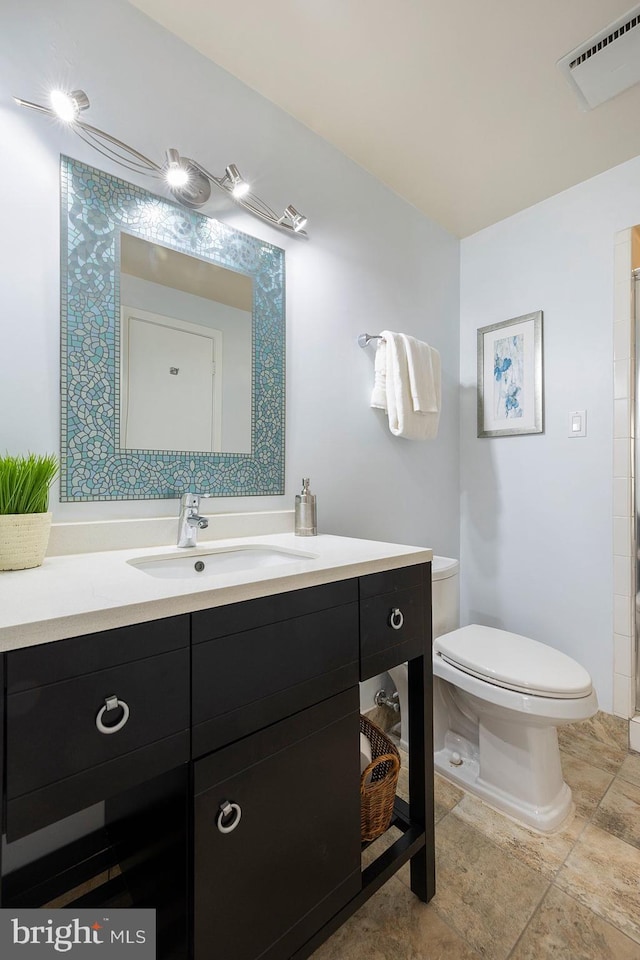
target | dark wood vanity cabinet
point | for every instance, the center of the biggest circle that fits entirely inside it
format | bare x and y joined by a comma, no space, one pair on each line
242,734
286,858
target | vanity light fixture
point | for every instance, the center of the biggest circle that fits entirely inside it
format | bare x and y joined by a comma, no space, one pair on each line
188,181
297,220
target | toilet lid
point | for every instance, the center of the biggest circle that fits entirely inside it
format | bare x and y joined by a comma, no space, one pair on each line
444,567
512,661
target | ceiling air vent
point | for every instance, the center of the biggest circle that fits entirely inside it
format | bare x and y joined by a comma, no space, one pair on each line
605,65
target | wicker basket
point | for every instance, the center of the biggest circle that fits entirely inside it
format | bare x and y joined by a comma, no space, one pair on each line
24,538
378,782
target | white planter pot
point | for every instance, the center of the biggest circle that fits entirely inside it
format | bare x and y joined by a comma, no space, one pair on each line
23,540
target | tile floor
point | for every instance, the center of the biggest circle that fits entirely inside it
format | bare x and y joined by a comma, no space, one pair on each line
504,891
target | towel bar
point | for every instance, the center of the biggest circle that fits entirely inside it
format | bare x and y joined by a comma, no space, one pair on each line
364,339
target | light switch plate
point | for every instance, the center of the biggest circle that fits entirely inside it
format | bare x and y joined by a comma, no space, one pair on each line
578,423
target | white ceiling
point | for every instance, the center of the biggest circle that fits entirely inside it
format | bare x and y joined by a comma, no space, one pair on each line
457,106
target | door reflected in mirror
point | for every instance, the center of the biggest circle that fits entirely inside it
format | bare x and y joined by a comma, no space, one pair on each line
186,348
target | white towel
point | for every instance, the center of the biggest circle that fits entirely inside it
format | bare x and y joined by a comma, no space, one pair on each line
379,392
424,375
411,383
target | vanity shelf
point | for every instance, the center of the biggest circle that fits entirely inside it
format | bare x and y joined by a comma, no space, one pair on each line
242,733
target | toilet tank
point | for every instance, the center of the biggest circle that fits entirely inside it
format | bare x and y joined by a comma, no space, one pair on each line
445,595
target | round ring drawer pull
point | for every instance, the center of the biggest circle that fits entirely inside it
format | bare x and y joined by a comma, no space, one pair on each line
226,810
111,703
396,618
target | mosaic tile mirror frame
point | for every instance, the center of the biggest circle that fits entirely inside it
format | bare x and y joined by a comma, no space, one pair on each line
96,208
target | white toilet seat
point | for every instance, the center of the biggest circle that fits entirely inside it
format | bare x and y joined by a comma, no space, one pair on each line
514,662
524,707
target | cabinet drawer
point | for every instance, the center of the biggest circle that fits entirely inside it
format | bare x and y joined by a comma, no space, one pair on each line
237,617
391,581
248,680
65,659
52,731
293,860
394,624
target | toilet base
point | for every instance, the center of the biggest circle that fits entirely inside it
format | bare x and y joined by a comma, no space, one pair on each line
466,774
506,741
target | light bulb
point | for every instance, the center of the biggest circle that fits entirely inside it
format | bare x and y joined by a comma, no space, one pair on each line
298,220
240,190
175,173
239,187
67,106
177,177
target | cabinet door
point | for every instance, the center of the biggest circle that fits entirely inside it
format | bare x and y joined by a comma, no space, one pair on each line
293,858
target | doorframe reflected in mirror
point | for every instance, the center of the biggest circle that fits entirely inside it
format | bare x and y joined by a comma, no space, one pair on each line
96,207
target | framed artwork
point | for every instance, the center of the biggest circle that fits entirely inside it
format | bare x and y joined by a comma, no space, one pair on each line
510,377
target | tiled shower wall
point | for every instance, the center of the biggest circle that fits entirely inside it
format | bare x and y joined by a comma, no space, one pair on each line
627,256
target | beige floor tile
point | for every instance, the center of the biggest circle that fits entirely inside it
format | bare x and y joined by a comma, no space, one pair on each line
374,931
395,925
544,853
603,873
563,928
433,939
630,769
446,795
485,894
605,756
605,728
619,812
588,784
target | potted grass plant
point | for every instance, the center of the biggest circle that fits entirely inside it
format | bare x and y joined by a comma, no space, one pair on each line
25,523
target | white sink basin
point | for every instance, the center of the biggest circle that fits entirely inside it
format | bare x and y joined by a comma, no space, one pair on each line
206,563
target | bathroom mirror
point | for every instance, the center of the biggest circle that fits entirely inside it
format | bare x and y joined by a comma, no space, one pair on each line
173,347
185,351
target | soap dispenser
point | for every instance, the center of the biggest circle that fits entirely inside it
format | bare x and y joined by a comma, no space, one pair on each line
306,516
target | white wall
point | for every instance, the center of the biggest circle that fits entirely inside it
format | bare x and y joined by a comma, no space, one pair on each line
372,262
536,528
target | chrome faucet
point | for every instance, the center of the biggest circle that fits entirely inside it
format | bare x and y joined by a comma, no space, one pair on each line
190,520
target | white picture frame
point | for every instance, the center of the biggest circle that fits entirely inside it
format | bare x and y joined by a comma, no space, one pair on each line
510,377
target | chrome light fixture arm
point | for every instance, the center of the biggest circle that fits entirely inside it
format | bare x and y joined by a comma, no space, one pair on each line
194,188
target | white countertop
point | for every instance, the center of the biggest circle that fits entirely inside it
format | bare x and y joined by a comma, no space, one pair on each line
84,593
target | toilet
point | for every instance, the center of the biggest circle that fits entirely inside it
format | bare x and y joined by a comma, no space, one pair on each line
498,699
